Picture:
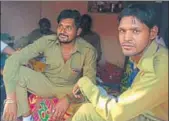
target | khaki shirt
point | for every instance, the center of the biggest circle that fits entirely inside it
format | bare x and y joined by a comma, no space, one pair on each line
147,94
94,39
82,62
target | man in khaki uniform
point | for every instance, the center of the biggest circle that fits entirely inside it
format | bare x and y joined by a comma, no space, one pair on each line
146,99
68,58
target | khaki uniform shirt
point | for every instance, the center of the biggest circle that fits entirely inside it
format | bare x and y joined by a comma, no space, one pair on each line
147,94
82,62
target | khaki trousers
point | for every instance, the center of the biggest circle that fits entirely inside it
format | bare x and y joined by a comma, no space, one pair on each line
38,84
87,113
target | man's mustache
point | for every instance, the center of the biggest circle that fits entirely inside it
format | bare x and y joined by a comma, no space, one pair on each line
127,44
61,34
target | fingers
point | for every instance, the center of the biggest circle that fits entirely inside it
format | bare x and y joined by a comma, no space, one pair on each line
76,92
61,116
15,118
52,111
5,115
9,113
11,117
58,115
75,89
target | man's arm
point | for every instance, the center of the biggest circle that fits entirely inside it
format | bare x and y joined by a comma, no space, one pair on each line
6,49
150,91
89,68
13,63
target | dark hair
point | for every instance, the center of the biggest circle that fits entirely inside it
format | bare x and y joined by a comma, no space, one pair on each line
145,13
68,13
86,22
46,21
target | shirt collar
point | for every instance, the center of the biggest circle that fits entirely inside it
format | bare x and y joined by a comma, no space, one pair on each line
150,51
78,47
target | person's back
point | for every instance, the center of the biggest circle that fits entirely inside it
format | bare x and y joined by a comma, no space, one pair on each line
90,36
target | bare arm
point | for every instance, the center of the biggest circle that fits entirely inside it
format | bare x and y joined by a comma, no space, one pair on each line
8,50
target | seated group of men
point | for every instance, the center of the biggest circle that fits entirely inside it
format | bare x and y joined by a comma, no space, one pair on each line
70,74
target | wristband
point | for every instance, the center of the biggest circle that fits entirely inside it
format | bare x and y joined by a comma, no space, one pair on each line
9,101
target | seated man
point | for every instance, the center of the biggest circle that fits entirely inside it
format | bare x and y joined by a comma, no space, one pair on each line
91,37
68,58
147,97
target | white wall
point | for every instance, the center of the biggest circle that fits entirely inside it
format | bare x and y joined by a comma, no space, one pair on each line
18,18
112,52
48,10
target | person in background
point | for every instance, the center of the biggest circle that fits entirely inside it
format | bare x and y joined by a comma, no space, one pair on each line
68,57
90,36
146,99
43,30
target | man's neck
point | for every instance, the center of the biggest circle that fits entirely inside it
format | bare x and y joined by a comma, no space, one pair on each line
136,59
68,45
67,50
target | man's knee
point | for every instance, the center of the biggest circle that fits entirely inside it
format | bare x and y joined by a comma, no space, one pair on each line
24,74
84,112
25,71
81,113
87,113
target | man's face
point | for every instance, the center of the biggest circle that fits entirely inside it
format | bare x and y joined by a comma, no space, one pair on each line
134,36
44,28
66,30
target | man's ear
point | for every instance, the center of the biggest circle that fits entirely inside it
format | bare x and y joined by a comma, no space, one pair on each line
153,32
79,30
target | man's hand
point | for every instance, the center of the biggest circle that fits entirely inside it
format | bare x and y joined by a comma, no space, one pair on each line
76,91
10,111
60,109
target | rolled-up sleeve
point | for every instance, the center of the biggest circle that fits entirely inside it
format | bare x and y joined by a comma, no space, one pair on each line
13,63
145,94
